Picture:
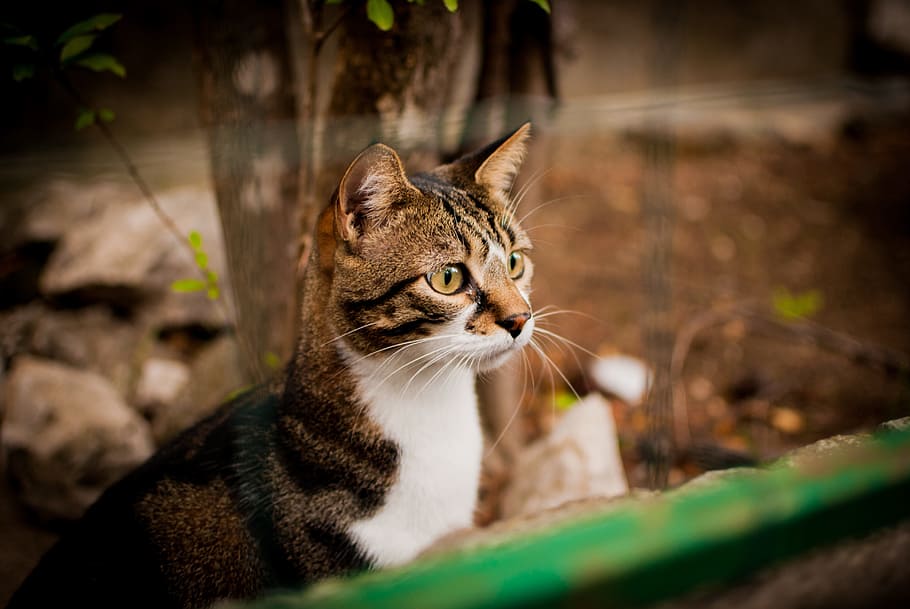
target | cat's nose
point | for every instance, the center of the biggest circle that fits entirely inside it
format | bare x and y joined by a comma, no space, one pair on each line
514,323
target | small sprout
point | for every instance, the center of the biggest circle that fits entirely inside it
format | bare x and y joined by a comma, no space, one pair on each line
564,400
202,260
76,47
106,115
380,13
793,306
85,119
102,62
544,4
23,71
28,41
271,360
96,23
452,5
195,240
188,285
239,391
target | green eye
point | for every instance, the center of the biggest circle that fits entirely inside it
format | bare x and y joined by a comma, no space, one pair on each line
516,264
447,281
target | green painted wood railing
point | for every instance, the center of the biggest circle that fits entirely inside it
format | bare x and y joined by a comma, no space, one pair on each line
652,550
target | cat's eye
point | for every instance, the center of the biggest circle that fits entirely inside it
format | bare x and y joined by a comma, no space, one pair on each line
448,280
516,264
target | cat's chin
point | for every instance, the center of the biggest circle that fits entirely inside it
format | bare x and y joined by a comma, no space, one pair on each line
495,360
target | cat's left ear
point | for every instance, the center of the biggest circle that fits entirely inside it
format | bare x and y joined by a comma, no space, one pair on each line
373,185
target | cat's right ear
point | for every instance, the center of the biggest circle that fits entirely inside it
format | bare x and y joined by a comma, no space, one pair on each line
373,185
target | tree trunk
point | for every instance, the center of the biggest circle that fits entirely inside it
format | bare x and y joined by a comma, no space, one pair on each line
248,107
393,86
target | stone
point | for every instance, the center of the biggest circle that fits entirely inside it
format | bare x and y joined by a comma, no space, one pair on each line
160,381
126,253
66,436
621,376
90,338
57,206
213,375
578,459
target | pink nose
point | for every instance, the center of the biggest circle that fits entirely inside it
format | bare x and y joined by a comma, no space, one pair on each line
514,323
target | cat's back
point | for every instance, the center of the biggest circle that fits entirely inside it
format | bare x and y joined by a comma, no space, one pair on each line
176,518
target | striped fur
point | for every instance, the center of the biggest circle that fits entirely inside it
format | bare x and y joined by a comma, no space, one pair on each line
368,449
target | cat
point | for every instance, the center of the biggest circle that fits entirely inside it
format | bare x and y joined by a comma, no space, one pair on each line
369,448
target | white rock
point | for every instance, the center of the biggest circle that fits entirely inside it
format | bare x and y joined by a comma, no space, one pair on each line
577,460
622,376
127,247
67,436
160,381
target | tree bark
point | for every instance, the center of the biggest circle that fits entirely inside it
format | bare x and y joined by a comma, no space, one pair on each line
394,86
248,107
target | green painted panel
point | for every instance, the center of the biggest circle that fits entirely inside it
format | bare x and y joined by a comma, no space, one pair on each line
648,551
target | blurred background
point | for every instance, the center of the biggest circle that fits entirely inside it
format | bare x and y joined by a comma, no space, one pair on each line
718,194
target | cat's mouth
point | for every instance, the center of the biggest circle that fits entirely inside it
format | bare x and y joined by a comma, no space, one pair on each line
505,348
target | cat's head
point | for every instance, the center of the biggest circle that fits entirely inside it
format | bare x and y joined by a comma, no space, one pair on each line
434,266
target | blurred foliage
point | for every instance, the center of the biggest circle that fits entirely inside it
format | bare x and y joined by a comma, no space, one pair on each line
210,284
380,11
75,46
792,306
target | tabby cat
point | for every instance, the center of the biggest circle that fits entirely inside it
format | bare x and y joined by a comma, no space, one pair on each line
370,448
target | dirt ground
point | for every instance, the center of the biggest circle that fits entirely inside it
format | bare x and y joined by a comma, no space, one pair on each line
756,226
751,219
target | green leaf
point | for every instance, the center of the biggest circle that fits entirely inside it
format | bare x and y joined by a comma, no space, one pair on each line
544,4
380,13
28,41
239,391
97,23
195,240
271,360
85,119
211,277
564,400
75,47
106,115
102,62
188,285
213,292
796,306
452,5
202,260
23,71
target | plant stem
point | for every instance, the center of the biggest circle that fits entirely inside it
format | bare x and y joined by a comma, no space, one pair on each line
140,182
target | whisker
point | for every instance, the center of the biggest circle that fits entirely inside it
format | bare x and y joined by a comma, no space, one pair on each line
556,368
515,411
565,340
349,332
548,203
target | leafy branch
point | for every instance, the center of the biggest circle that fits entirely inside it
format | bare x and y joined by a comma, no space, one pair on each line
75,47
380,11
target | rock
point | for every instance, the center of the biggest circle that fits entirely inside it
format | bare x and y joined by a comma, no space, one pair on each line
90,338
125,253
213,376
67,435
622,376
577,460
61,204
160,381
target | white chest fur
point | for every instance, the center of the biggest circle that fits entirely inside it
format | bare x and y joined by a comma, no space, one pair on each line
437,430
